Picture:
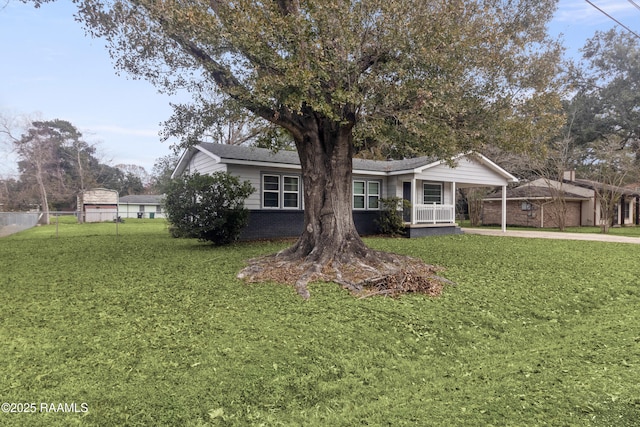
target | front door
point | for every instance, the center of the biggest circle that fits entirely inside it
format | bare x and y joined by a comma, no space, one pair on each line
406,195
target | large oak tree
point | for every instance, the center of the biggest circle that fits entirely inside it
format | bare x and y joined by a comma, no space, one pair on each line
416,76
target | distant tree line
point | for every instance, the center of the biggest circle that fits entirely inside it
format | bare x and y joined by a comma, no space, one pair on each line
55,163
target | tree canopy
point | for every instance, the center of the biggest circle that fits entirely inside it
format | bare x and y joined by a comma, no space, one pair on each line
418,76
607,96
389,77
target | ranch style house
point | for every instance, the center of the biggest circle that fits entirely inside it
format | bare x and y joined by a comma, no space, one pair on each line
277,207
536,204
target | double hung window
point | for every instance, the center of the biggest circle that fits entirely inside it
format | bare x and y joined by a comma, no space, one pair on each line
280,191
366,194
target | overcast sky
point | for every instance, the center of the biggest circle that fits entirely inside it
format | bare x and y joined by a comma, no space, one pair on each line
49,68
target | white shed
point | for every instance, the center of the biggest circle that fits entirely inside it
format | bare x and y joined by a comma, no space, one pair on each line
97,205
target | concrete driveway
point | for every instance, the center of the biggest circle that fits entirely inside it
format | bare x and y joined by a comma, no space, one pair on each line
553,235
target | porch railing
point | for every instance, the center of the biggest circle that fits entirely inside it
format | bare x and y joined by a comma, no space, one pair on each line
433,214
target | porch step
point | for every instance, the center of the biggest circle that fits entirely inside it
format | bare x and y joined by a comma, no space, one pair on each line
423,230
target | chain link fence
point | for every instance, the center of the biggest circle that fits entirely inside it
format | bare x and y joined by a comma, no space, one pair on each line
13,222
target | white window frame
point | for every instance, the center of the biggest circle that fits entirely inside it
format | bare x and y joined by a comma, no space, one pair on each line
281,192
366,195
264,190
432,184
377,195
362,195
296,192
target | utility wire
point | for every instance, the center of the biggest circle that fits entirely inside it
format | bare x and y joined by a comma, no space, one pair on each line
635,4
614,19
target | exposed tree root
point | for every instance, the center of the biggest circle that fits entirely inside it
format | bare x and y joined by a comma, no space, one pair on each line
378,273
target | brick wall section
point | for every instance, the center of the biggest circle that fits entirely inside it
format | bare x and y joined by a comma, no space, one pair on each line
572,217
492,214
266,224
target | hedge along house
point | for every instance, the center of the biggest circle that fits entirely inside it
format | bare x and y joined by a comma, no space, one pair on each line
276,208
141,206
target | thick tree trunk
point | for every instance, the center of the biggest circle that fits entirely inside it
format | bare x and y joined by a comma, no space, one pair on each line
44,201
329,232
330,248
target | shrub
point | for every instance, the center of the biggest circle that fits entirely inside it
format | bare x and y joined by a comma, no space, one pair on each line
207,207
390,221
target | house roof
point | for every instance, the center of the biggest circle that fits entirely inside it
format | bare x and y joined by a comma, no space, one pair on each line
253,155
145,199
586,183
533,192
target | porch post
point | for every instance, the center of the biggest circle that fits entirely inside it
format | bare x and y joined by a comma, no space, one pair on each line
504,208
453,200
414,194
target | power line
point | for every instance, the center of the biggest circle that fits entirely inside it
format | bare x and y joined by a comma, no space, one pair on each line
614,19
635,4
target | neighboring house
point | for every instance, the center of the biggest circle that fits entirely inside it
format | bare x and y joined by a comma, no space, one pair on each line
97,205
535,204
277,206
141,206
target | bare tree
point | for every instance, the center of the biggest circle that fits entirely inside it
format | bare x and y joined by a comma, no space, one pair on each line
474,197
558,159
610,166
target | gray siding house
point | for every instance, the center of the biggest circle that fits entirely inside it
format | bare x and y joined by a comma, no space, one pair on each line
277,206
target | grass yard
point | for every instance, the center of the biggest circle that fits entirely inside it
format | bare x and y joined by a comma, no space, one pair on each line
146,330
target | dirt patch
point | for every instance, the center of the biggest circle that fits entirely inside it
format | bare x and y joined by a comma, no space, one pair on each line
397,276
9,229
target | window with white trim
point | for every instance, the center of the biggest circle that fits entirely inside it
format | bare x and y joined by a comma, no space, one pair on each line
291,192
432,193
373,194
366,194
271,191
280,191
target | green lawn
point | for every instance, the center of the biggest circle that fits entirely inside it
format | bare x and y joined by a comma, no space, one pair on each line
152,331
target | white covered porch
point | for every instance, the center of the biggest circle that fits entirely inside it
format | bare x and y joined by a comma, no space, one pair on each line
433,213
431,189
